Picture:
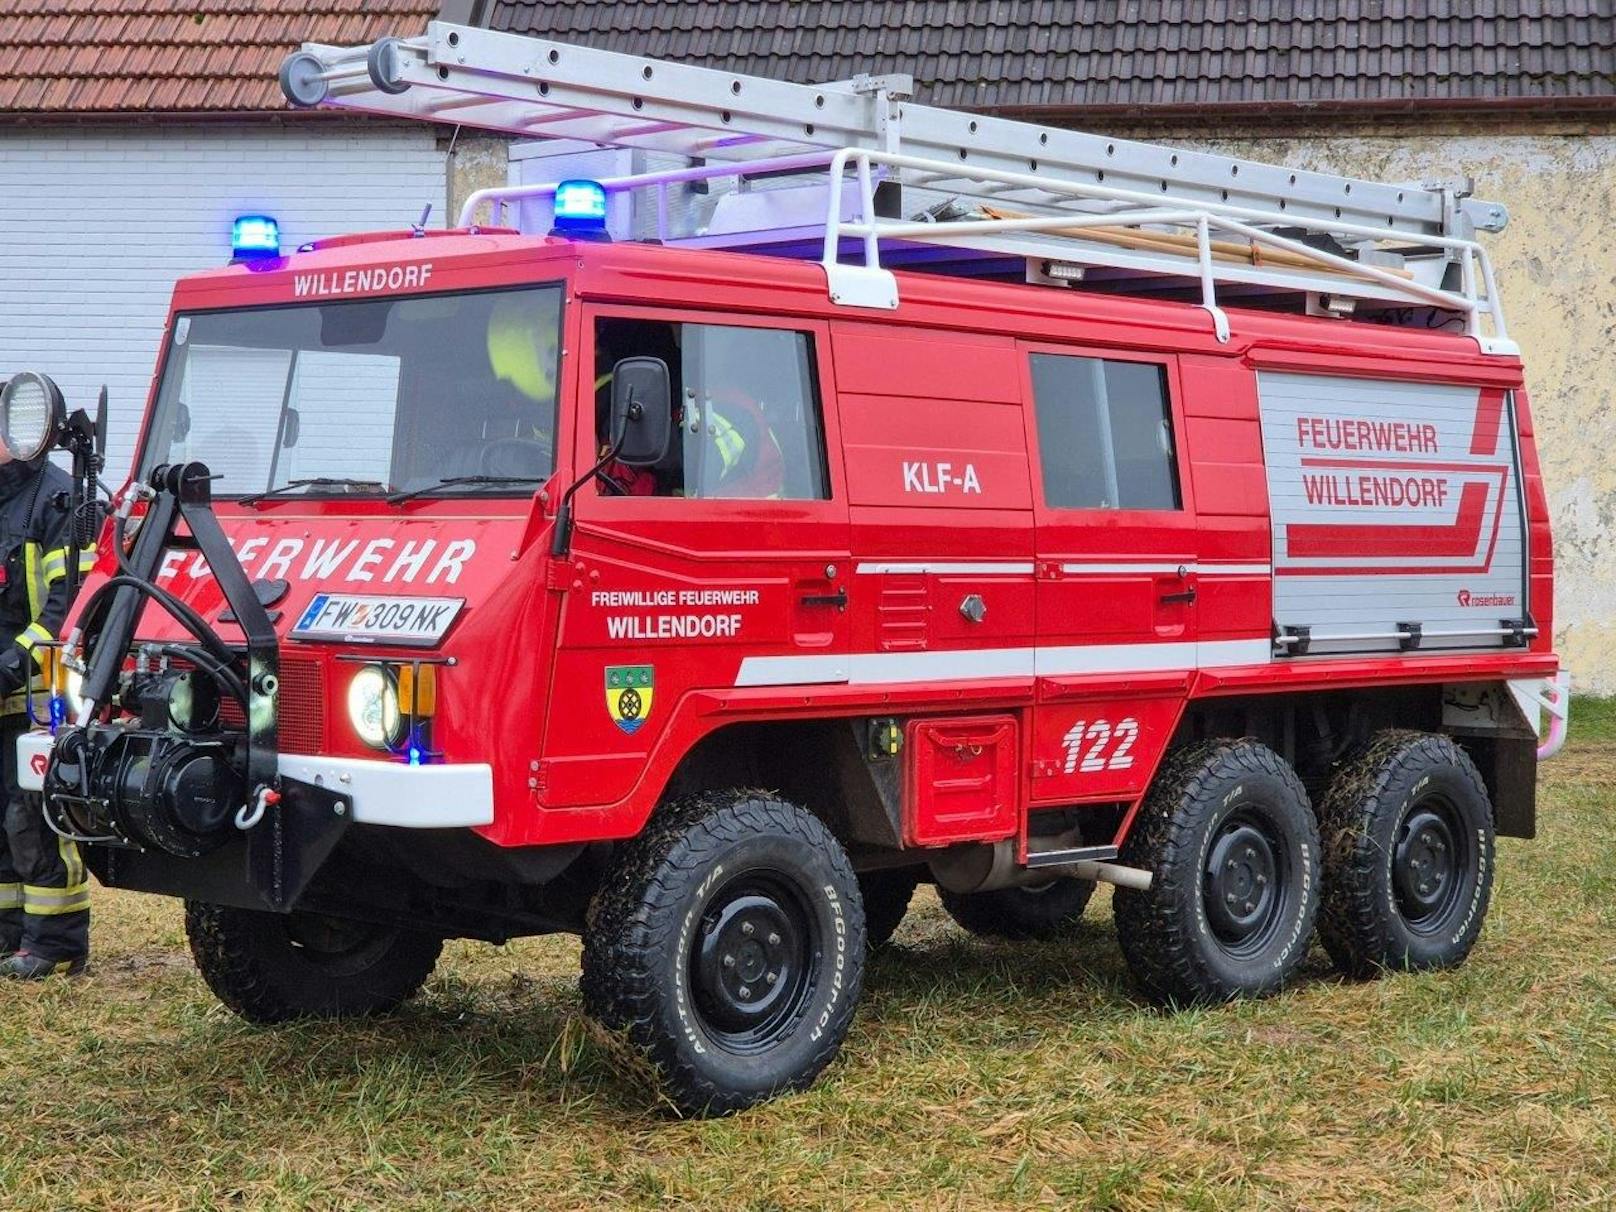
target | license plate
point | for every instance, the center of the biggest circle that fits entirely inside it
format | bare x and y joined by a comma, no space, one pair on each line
353,618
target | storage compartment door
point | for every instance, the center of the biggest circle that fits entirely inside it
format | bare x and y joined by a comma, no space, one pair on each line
1397,515
960,780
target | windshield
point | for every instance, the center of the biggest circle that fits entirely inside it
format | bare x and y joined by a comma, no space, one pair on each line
369,397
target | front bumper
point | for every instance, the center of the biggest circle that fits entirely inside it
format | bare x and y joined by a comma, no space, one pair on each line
383,793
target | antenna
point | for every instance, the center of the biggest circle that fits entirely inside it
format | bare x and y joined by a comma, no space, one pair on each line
419,226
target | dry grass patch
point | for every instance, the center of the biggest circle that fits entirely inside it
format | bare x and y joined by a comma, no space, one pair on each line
977,1076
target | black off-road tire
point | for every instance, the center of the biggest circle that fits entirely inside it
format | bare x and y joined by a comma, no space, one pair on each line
886,895
1408,855
679,899
1233,848
1020,914
272,967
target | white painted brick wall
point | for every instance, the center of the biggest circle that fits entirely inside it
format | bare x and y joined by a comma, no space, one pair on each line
97,223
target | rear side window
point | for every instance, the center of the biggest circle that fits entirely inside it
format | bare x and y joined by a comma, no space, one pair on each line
746,411
1105,433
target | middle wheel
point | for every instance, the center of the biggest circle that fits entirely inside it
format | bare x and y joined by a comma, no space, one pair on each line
886,896
1036,912
1229,837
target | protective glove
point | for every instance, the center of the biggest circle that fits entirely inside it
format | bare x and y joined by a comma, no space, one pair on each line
13,671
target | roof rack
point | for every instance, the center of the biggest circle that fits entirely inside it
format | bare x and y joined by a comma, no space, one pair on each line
1066,201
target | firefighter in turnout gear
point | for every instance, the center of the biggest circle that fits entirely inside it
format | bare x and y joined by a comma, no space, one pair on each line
44,891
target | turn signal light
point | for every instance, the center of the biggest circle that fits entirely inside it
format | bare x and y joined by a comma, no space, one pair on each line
418,690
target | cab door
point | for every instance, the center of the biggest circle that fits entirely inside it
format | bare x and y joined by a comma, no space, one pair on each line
725,565
1117,578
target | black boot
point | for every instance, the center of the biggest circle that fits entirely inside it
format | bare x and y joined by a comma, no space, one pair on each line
25,967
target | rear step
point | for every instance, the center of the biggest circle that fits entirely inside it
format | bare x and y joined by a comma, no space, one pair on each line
1074,854
1090,863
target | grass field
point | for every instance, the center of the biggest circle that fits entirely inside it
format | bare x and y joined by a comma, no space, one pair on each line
977,1075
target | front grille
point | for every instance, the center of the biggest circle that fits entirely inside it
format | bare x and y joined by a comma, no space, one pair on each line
302,701
302,717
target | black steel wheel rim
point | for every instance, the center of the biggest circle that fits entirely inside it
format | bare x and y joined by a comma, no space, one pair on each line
1245,889
1432,864
336,945
752,962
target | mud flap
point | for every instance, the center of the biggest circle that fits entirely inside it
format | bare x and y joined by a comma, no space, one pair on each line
293,841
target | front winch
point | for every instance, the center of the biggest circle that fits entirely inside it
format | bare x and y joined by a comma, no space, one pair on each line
141,788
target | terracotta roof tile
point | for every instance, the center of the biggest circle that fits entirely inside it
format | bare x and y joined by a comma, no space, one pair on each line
173,56
1134,54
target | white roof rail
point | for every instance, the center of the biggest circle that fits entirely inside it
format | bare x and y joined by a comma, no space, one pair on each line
1040,192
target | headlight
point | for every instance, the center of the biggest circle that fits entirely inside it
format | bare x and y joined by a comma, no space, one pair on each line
30,410
373,707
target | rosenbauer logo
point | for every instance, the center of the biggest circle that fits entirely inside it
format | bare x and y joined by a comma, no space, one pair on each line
1466,598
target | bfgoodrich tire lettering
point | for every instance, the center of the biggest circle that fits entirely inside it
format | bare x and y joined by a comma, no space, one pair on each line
1230,840
1408,861
728,941
271,967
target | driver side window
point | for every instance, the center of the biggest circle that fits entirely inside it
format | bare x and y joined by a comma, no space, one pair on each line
746,411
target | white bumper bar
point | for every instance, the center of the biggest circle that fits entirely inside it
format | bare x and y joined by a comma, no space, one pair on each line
410,797
384,793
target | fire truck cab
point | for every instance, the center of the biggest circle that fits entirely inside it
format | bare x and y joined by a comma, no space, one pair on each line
480,584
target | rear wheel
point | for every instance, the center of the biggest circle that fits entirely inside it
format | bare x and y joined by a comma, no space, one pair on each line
1408,860
1232,847
271,967
886,897
1038,911
728,941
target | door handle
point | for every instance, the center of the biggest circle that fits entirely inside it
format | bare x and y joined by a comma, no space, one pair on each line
1187,596
837,599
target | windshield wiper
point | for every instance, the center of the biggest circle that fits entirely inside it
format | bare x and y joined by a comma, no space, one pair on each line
315,482
451,481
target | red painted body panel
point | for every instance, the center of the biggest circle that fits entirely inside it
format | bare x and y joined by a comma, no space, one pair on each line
960,780
911,399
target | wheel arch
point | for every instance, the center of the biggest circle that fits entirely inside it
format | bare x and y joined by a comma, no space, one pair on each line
816,763
1314,730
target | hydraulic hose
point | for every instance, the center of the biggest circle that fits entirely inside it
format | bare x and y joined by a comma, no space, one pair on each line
200,658
183,614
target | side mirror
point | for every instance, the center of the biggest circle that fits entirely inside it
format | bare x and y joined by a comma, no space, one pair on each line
642,411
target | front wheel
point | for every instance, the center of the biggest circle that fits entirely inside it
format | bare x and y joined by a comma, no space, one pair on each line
728,941
271,967
1229,838
1408,864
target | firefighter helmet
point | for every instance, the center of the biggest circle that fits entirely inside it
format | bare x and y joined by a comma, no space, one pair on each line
522,347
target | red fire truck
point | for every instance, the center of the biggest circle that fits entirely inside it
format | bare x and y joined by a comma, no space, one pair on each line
1044,510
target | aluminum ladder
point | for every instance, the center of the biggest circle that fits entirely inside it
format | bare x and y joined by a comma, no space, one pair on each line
1070,203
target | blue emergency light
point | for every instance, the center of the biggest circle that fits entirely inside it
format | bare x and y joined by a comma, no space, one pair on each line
580,210
255,236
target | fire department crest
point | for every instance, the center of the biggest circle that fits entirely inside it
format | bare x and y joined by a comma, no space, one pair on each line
628,694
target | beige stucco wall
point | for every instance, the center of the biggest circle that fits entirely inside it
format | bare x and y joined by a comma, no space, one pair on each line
1556,263
475,162
1557,268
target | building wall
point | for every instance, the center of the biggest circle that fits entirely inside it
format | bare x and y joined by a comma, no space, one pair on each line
96,223
1556,264
1557,271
